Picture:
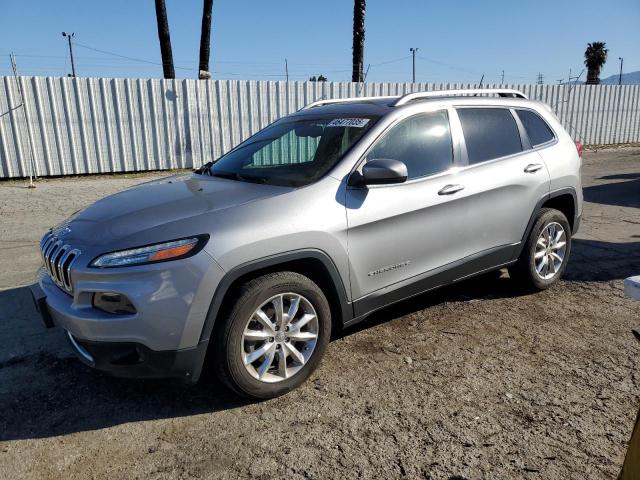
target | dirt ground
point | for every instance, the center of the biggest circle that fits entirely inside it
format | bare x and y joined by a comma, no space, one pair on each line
472,381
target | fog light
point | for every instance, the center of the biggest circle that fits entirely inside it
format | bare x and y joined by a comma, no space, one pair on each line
111,302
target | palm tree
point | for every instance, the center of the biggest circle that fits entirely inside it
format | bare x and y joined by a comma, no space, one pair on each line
205,40
359,7
594,58
165,40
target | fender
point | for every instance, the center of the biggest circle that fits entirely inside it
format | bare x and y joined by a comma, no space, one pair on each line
266,262
556,193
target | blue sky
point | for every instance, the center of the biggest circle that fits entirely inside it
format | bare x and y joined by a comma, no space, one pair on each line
457,41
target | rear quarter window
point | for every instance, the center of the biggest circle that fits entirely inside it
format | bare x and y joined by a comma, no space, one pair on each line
537,129
489,133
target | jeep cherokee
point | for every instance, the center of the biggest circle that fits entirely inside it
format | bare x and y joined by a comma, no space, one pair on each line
308,226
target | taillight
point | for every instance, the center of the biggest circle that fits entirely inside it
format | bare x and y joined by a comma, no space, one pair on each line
579,148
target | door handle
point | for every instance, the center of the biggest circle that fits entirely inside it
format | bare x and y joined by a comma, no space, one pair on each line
450,189
532,168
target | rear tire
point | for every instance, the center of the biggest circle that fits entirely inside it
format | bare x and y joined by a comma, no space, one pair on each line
274,335
546,252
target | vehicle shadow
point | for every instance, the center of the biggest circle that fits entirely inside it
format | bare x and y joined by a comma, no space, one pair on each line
591,261
599,261
45,391
624,193
492,285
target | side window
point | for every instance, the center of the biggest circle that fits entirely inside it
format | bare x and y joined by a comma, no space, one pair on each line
537,129
422,142
489,133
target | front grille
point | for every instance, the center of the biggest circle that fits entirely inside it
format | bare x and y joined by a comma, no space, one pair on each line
58,258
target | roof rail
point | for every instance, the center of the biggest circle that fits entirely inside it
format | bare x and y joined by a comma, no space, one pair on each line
501,92
345,100
402,100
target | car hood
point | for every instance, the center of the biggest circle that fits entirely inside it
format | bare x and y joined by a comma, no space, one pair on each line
146,208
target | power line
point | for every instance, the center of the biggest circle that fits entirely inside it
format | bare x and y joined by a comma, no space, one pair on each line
453,67
106,52
276,68
390,61
150,62
259,74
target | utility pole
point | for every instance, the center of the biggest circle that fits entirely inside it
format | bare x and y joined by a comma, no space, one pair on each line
73,65
560,81
571,79
540,77
32,169
364,79
502,79
620,76
413,52
286,69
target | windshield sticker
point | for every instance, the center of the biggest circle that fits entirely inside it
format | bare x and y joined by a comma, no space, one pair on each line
348,122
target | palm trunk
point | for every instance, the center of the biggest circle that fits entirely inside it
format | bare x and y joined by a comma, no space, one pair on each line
205,40
165,40
593,76
359,7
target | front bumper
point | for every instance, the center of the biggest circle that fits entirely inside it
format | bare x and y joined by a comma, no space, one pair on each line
129,359
162,339
134,360
40,302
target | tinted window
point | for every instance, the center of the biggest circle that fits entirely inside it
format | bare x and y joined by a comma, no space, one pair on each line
489,133
422,142
293,151
537,129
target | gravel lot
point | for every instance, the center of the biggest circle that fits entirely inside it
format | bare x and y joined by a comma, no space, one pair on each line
472,381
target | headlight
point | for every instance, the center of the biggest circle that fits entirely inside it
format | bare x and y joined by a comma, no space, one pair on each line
159,252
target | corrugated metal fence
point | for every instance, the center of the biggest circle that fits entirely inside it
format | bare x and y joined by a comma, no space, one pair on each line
90,125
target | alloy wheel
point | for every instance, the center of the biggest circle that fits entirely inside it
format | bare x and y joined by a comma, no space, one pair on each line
550,250
280,337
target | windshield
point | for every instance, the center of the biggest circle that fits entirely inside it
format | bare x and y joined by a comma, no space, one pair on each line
291,152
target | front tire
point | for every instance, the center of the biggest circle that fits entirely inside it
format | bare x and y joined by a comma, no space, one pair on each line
546,252
274,335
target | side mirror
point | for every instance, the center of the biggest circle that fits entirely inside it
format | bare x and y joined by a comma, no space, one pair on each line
383,171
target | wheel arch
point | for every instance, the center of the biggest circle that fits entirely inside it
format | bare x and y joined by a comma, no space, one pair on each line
313,263
564,200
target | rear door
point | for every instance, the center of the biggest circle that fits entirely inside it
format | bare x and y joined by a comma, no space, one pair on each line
503,180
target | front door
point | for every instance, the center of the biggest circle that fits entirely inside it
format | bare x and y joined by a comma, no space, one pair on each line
398,232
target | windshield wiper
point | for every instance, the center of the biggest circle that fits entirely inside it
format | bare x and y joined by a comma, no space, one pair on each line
204,169
237,176
207,169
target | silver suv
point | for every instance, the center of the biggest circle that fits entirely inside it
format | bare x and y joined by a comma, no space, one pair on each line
323,217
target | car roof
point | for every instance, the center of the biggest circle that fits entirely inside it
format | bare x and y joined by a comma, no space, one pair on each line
380,106
372,107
